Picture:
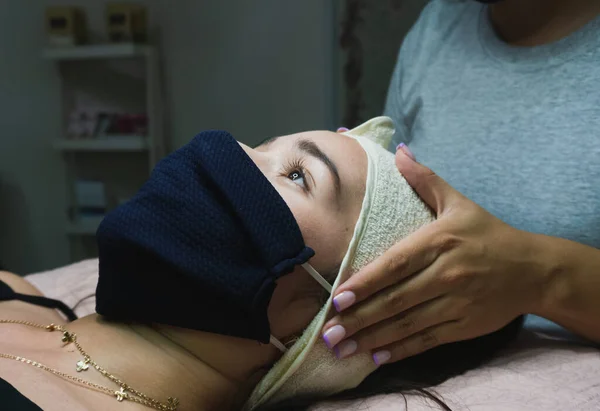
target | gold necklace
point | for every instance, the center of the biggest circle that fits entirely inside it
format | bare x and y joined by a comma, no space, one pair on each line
125,393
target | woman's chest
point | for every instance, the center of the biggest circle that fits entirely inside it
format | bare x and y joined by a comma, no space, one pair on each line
43,385
41,368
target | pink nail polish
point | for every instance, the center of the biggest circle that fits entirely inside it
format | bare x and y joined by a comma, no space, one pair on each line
381,357
342,129
406,151
344,300
334,335
345,349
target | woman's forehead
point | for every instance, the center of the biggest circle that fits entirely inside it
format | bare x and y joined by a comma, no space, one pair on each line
327,137
326,140
345,152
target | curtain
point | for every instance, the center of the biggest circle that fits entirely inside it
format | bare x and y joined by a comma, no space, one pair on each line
371,32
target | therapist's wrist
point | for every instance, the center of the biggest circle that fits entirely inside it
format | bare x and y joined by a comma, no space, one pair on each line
551,268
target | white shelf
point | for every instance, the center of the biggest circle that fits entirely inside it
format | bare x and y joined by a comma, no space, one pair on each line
112,143
96,51
85,78
84,226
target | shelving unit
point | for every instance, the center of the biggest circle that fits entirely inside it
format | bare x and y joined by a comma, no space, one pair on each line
86,226
113,143
123,76
98,51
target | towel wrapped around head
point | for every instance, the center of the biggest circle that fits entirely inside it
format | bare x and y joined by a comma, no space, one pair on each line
390,211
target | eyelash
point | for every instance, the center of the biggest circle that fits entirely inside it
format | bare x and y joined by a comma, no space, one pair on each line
298,166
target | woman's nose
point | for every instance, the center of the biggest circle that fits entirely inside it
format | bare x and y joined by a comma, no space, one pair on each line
249,151
259,158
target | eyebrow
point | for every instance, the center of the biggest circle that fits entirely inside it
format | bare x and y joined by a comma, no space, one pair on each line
310,148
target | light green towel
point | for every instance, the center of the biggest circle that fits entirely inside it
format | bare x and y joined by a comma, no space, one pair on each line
390,211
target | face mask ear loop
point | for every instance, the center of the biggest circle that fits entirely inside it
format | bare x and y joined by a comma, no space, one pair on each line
277,344
314,274
319,278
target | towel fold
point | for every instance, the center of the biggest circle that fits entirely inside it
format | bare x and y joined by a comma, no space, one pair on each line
390,211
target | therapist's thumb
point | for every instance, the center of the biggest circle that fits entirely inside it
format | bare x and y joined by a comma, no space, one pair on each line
432,189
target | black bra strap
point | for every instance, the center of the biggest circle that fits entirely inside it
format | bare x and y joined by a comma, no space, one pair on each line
7,293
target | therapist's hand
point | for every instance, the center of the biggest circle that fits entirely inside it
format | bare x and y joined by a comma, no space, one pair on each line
465,275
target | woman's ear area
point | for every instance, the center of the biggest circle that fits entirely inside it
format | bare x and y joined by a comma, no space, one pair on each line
295,302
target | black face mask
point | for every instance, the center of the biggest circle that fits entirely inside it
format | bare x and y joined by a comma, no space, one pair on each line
200,245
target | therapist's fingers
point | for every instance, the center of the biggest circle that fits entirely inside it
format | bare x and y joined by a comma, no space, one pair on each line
417,343
341,129
406,150
390,302
401,326
406,257
432,189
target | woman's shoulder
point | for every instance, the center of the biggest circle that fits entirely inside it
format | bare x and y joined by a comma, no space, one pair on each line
18,283
19,310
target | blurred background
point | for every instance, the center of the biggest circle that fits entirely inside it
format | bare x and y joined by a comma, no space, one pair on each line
93,93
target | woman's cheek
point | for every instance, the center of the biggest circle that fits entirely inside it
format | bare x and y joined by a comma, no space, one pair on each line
321,230
316,233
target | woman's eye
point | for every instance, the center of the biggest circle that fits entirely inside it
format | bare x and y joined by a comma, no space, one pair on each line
297,177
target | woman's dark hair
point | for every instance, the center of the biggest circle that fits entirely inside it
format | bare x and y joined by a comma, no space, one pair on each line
416,374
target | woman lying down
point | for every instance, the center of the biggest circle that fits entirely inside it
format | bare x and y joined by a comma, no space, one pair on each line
214,284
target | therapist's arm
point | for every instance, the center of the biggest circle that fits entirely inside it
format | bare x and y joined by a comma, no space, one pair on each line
572,293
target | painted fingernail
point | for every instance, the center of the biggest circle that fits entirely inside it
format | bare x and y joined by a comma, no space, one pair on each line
406,151
334,335
342,129
345,349
381,357
344,300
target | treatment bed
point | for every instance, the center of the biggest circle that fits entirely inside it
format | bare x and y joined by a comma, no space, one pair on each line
537,373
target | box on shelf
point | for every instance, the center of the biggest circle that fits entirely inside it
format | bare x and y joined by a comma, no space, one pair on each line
83,124
126,22
65,26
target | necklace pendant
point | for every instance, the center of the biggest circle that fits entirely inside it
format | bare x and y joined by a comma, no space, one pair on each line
82,365
67,337
172,403
121,395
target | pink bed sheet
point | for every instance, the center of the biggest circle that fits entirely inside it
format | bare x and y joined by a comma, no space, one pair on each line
535,374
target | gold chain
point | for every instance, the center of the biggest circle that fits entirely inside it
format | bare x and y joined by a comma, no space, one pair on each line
125,393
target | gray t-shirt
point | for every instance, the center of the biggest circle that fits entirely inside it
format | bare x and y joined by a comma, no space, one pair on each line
517,130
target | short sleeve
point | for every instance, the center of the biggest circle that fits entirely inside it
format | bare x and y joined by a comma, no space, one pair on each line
409,70
395,105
